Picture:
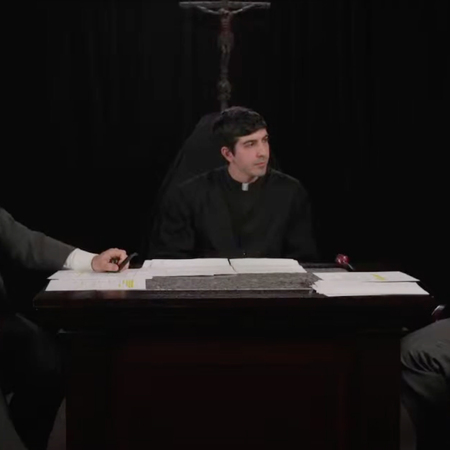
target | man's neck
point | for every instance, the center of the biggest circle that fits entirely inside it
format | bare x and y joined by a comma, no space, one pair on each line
240,177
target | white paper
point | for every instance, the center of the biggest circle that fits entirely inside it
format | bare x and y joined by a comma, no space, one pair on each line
192,262
190,272
111,284
74,275
266,265
366,276
343,288
188,267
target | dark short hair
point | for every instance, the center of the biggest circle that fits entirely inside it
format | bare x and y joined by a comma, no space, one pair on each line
236,122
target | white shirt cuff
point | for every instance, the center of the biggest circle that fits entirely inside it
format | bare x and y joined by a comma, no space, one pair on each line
80,261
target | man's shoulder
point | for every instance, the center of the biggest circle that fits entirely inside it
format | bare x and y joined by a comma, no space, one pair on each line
204,179
6,220
4,214
284,180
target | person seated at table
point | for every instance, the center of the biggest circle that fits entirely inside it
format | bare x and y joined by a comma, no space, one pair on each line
30,363
243,209
425,384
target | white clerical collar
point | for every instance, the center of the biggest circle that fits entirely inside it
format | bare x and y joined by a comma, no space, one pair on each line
244,186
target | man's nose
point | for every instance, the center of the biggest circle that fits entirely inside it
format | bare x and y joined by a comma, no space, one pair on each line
263,149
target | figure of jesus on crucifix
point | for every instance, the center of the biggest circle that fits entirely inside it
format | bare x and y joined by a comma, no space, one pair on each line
225,9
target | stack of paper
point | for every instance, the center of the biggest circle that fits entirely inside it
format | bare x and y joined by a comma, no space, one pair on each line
74,275
380,277
333,284
111,284
188,267
70,280
266,265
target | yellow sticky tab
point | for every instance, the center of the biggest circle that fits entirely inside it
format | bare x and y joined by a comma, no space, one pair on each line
378,277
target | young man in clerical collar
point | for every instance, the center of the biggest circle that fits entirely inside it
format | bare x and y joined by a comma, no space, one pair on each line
243,209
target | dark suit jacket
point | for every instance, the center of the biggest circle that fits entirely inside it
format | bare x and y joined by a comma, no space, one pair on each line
28,249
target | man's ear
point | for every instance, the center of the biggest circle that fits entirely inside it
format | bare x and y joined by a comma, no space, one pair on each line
227,154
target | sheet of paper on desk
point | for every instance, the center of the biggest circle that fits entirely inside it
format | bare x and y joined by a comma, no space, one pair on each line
344,288
189,272
109,284
188,267
366,276
192,262
74,275
266,265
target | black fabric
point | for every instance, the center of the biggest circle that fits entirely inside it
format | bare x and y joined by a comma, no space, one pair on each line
198,221
198,154
30,368
425,379
9,439
242,206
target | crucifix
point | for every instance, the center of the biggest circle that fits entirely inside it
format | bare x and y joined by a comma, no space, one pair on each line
226,10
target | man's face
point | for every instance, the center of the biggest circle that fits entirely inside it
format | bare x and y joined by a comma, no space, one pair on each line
250,158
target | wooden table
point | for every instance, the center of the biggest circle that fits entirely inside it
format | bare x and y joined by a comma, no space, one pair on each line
255,362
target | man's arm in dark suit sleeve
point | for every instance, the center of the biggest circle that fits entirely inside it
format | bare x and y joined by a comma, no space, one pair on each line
174,235
30,249
299,241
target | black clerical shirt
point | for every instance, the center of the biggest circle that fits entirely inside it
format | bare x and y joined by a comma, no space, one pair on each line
211,216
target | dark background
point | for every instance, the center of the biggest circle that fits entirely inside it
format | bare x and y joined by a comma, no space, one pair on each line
100,95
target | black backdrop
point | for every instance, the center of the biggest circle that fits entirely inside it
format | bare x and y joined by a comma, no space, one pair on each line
99,96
